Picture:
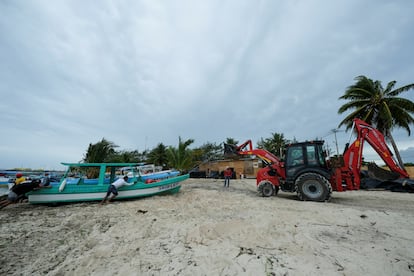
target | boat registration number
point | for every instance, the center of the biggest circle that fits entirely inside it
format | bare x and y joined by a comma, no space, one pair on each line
169,186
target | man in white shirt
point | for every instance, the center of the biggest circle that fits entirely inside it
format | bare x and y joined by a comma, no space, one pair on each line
113,188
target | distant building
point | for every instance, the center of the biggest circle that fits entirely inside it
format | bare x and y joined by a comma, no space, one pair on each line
243,168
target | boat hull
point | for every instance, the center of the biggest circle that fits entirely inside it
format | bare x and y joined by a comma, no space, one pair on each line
81,193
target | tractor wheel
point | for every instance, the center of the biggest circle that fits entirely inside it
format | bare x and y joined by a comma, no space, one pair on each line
313,187
266,189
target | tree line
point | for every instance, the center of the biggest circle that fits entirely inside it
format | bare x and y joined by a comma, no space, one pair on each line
366,99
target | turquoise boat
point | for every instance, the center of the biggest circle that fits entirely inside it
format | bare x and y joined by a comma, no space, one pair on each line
83,190
149,173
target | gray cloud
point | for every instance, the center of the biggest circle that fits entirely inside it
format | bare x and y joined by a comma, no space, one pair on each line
139,73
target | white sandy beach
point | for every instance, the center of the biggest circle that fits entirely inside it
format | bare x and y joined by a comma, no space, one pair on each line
207,230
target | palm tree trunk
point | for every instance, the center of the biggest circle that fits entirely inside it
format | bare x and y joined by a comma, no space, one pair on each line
396,151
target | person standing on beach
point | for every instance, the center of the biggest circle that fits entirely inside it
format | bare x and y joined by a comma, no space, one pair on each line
227,175
113,188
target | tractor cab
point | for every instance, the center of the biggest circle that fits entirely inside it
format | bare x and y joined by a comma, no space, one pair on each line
305,156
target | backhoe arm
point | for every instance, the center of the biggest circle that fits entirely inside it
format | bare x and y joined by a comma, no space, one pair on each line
247,149
353,155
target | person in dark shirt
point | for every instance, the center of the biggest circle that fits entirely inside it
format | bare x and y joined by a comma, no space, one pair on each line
46,180
227,175
18,192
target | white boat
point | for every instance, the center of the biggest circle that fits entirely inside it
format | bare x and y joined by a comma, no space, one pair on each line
6,182
151,173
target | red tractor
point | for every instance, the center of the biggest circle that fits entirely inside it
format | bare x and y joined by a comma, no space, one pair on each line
306,171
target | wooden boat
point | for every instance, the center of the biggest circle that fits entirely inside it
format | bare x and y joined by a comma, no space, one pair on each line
79,191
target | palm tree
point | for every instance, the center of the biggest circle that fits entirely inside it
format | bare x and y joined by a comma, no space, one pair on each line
231,141
209,151
181,158
124,157
158,155
274,144
379,107
99,152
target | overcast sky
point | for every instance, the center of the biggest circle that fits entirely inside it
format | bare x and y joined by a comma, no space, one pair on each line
139,73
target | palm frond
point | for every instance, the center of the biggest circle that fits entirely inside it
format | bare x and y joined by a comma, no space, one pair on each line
369,101
389,87
401,89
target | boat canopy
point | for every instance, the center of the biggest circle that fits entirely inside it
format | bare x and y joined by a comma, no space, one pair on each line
103,168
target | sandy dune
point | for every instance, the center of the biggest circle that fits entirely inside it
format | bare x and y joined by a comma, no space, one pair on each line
209,230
